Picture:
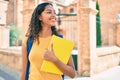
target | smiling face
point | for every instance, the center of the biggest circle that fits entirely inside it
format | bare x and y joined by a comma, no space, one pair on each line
48,16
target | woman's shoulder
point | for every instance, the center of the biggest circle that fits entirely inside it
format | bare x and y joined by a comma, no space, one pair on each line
24,40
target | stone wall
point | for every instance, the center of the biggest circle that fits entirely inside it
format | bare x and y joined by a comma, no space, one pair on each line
107,57
69,26
118,35
10,13
108,12
11,58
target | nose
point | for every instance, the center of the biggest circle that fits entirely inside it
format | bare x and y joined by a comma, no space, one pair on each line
53,15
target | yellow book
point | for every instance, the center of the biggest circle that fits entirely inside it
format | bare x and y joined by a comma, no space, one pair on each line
62,49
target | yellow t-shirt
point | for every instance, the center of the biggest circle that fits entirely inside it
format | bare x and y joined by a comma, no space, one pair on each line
36,60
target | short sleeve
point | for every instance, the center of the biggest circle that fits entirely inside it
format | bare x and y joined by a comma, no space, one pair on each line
24,41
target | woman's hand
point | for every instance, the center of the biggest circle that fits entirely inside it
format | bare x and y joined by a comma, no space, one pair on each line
67,69
49,54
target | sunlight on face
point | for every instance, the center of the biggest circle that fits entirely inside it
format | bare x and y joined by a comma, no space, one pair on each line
48,17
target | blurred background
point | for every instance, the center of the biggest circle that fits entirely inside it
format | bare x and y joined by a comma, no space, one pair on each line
93,25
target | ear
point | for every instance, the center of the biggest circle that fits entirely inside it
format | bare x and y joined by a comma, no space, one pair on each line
40,18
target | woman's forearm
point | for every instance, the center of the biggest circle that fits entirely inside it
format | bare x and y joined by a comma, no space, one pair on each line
66,69
24,63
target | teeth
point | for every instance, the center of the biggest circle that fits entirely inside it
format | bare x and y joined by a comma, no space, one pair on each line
53,19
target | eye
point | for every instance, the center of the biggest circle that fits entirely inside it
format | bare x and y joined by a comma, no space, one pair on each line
49,12
54,12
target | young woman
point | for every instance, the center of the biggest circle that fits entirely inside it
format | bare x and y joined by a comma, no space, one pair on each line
41,28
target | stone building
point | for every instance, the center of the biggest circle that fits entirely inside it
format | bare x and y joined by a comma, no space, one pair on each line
4,29
82,30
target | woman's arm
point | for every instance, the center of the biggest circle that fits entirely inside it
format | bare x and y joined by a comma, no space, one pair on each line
67,69
24,62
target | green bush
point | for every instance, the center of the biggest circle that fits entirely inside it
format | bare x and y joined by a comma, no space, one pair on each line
14,34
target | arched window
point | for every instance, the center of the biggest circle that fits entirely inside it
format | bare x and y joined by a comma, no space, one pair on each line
59,11
71,10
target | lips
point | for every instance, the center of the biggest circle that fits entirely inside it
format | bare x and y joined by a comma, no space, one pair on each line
53,19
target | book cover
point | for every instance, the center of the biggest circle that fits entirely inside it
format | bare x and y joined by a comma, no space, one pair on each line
62,49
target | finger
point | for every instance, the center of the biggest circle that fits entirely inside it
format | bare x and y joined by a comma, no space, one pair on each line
45,51
51,46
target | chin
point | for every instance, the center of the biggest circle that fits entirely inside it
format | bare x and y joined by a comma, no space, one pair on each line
53,25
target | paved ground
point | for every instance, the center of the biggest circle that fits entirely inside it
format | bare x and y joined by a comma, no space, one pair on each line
8,74
111,74
5,76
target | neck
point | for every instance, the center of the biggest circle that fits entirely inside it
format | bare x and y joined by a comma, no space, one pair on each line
46,31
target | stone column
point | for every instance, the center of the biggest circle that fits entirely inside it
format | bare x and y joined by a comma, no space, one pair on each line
86,36
28,7
19,16
118,34
4,37
4,29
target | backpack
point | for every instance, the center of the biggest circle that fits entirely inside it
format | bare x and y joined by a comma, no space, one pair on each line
29,46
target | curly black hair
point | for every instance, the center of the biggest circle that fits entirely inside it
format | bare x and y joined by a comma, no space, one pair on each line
35,25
